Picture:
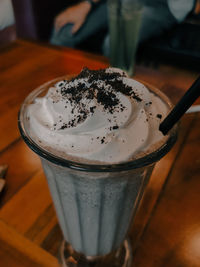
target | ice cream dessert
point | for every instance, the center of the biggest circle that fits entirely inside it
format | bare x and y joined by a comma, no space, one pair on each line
100,116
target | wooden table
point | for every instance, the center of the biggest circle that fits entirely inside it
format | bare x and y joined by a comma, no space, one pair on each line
166,231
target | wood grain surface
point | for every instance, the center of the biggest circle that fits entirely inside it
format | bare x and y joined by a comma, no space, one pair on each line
166,230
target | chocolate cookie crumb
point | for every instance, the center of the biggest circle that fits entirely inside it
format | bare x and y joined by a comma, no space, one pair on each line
159,116
115,127
87,85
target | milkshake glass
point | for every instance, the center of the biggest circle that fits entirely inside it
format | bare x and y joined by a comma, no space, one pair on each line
95,203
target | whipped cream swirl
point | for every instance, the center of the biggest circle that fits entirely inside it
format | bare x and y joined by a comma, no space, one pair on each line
99,116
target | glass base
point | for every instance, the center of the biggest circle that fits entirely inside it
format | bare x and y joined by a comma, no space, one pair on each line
118,258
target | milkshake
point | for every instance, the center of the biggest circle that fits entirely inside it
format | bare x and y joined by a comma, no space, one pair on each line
98,139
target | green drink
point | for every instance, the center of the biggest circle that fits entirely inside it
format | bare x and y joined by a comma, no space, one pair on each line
124,25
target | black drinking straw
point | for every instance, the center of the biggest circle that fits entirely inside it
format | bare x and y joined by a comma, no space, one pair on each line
181,107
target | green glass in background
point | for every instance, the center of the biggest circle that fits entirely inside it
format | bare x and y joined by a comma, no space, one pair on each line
124,26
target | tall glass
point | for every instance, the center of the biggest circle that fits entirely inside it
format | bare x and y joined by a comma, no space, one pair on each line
95,204
124,25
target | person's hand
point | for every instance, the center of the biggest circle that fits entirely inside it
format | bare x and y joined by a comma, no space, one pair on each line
75,15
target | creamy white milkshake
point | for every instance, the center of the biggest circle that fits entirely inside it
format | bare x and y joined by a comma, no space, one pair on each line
100,116
98,138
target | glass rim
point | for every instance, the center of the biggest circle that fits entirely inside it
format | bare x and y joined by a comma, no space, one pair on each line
113,5
136,163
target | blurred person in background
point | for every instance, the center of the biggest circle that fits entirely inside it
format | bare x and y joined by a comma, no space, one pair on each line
6,14
78,22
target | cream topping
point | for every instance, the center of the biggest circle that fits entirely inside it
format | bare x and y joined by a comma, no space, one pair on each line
99,116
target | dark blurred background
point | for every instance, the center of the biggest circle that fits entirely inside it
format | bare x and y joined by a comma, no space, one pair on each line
33,20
